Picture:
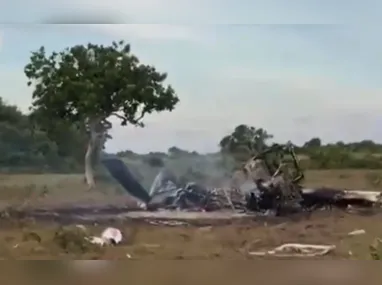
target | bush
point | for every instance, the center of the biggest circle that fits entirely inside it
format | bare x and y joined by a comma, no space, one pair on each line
340,158
376,250
74,240
154,161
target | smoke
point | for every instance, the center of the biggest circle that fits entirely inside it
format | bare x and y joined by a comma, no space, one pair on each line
212,170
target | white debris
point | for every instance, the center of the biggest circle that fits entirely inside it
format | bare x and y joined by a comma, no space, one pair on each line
109,236
142,205
357,232
81,227
112,235
167,223
296,250
97,240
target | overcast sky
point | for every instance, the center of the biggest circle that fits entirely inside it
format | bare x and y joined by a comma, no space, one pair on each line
297,68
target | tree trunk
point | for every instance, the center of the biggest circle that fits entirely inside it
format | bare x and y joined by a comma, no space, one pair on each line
89,172
92,145
97,139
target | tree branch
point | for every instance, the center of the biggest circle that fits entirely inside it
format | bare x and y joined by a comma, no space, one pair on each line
140,118
123,118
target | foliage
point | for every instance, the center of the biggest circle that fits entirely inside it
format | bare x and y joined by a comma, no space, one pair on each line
74,240
245,139
27,148
153,160
94,82
313,143
177,152
244,142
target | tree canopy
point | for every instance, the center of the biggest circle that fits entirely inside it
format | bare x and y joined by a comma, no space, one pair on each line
244,141
95,82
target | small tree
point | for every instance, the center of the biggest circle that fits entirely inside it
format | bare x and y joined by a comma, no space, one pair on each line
86,85
245,140
313,143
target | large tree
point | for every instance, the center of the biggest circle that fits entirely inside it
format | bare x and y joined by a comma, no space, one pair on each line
85,85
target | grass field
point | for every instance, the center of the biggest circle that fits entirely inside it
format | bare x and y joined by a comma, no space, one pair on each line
61,189
30,240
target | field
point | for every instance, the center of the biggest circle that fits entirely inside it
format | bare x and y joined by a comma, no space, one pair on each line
27,238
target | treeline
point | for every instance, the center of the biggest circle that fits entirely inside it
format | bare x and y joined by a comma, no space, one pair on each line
330,156
26,147
365,154
313,154
246,141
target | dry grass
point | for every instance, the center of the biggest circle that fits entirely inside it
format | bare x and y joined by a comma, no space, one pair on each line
345,178
64,188
56,189
53,189
28,240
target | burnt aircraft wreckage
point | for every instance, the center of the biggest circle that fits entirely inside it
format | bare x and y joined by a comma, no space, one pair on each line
272,185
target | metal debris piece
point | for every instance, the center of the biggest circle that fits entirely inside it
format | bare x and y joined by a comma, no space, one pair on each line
120,172
195,197
277,180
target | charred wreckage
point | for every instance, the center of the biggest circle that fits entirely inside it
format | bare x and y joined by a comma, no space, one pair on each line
272,185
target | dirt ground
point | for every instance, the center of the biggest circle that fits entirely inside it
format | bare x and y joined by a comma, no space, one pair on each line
232,240
28,239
